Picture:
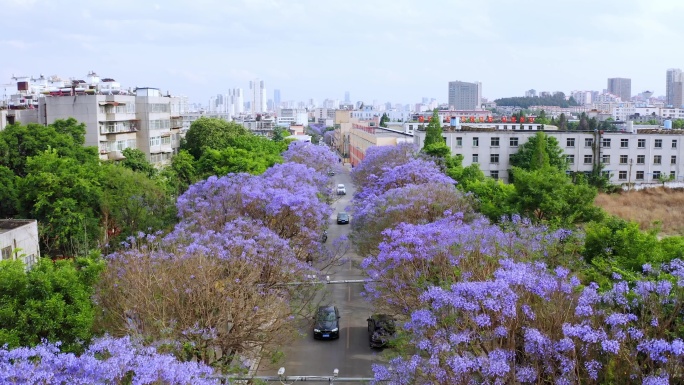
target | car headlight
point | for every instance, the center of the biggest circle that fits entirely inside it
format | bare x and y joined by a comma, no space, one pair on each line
317,330
334,330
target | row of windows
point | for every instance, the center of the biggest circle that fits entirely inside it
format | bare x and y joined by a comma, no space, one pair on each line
622,175
570,142
589,159
158,140
624,159
624,143
159,124
494,142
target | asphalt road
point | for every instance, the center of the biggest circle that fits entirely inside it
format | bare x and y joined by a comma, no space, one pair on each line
350,353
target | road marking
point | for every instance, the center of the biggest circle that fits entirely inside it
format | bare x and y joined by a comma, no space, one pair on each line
348,333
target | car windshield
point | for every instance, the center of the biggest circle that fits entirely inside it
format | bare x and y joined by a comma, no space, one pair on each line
326,315
342,215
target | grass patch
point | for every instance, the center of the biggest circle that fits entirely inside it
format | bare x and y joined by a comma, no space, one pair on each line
648,207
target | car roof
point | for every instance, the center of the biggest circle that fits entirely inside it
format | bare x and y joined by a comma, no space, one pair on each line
340,185
326,308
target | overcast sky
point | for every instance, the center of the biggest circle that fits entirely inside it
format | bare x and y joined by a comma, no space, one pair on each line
384,50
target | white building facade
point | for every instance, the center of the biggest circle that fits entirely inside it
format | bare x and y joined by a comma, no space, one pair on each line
628,157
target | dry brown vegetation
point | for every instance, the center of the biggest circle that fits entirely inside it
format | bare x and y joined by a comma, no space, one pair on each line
664,205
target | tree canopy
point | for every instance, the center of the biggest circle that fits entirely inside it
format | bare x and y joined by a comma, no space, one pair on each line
557,99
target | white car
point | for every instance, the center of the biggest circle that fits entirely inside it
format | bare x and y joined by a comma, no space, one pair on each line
341,190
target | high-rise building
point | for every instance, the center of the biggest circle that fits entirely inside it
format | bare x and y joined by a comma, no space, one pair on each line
621,87
465,96
346,97
673,87
236,101
276,99
257,96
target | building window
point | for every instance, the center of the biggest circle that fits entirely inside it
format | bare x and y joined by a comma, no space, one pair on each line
494,142
658,143
7,252
656,175
476,142
672,175
622,175
624,143
570,158
605,142
514,142
623,159
476,158
588,159
641,159
657,159
494,174
588,142
605,159
493,158
641,143
570,142
459,141
674,143
639,175
528,127
673,159
505,127
166,140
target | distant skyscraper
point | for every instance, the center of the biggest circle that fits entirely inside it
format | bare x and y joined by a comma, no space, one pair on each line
673,87
346,97
621,87
257,96
236,101
276,99
530,93
465,96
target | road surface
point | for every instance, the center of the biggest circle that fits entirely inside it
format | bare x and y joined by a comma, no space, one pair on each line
350,353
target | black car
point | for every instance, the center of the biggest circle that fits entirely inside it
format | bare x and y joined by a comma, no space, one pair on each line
381,329
327,325
342,218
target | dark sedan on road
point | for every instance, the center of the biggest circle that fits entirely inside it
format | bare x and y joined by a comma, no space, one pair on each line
327,324
381,329
342,218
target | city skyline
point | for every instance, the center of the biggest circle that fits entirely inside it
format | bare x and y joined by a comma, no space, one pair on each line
385,51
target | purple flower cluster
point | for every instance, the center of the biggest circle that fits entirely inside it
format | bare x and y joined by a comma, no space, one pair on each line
319,158
486,304
107,361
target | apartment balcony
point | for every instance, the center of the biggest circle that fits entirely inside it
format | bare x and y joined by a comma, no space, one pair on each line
121,128
119,116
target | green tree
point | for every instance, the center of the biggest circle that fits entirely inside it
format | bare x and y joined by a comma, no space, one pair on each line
64,195
622,245
137,161
542,118
279,134
181,173
562,122
433,131
547,195
131,203
9,199
18,143
210,133
538,151
52,301
383,120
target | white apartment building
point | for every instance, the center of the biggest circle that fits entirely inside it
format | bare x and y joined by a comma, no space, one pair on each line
629,157
115,118
19,240
289,116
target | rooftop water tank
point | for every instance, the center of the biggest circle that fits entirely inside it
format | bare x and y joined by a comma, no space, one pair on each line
667,124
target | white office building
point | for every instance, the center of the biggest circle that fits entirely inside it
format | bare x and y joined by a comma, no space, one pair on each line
637,156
